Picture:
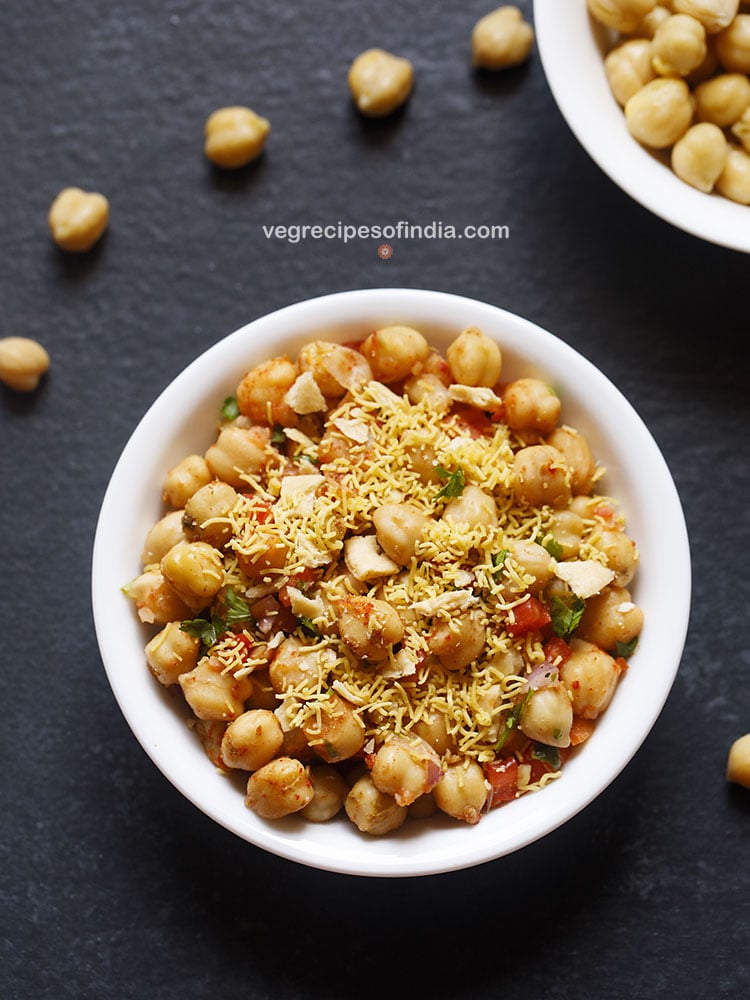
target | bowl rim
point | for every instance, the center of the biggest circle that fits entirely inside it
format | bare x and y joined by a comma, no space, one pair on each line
569,45
146,705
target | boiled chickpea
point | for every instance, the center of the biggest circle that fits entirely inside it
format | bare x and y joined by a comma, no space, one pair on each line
261,393
395,352
338,734
235,136
462,791
540,477
734,180
611,617
170,653
294,666
628,68
647,25
474,508
433,728
620,552
738,761
238,451
252,740
622,15
185,479
316,357
430,389
678,46
474,359
165,533
424,463
566,528
741,130
699,157
399,527
713,14
196,572
371,810
380,82
501,39
405,768
206,514
532,560
548,716
329,792
590,675
723,99
212,694
531,405
77,219
659,113
22,363
369,627
156,600
733,45
271,556
577,457
460,641
279,788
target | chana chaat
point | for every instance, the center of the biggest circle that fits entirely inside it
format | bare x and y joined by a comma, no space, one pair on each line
391,585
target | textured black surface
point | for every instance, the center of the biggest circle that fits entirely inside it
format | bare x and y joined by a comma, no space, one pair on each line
112,884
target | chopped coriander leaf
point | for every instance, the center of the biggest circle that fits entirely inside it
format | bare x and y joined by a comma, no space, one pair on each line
237,609
548,755
206,631
454,483
626,649
566,617
513,719
552,546
229,409
331,751
278,437
308,626
498,558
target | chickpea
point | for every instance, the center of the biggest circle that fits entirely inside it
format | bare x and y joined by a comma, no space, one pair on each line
272,556
424,463
395,352
428,389
329,792
474,359
380,82
77,219
433,728
338,734
212,694
474,508
170,653
185,479
699,157
708,68
460,641
610,617
316,358
398,527
437,365
370,628
738,761
252,740
733,45
678,46
576,455
648,25
713,14
405,768
165,533
622,15
462,791
531,405
734,180
741,130
590,675
628,68
548,716
235,136
660,112
156,599
260,394
196,572
279,788
371,810
237,452
533,560
540,477
723,99
206,514
210,734
501,39
293,666
566,527
22,363
423,808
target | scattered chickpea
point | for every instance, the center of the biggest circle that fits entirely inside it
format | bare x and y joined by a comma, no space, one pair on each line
738,761
501,39
77,219
700,155
713,14
474,359
622,15
723,99
22,363
733,45
235,136
380,82
678,46
628,68
734,180
660,113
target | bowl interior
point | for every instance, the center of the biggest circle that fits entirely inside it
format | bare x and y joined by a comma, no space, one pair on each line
572,48
183,420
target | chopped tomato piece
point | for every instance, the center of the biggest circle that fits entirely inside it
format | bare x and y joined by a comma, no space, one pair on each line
580,730
556,651
502,776
530,616
476,422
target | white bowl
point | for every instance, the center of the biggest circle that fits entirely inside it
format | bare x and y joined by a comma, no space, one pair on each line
572,47
183,420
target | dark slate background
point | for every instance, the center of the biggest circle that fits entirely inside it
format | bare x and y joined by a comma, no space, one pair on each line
112,884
